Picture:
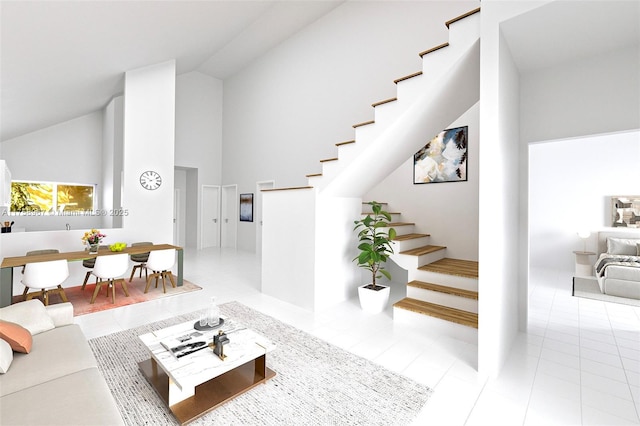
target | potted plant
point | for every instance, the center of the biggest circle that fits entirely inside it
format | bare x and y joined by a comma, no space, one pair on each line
374,238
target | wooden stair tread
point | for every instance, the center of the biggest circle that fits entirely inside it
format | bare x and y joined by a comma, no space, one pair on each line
345,143
406,77
469,294
384,102
392,224
457,316
407,237
456,267
364,123
419,251
326,160
314,175
464,15
287,189
433,49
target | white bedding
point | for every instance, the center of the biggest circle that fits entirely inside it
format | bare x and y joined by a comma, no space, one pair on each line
617,267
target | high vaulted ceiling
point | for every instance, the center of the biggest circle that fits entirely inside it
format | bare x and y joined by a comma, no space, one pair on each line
563,31
65,59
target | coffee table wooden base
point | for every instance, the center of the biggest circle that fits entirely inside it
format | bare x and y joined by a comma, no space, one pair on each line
211,394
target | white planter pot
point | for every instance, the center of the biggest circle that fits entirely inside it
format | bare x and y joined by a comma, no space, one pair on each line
372,301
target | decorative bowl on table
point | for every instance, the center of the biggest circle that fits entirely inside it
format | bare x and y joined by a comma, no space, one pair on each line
117,246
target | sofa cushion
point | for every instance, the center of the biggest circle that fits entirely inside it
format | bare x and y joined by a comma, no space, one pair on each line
17,336
55,353
6,356
81,398
30,314
60,313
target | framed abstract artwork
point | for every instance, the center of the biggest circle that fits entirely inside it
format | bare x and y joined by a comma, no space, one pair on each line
625,211
443,158
246,207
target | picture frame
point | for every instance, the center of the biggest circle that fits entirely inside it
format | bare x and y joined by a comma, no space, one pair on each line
625,211
246,207
444,158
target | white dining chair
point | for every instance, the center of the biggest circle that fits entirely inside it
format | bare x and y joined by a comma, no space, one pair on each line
48,277
108,269
160,263
139,259
36,253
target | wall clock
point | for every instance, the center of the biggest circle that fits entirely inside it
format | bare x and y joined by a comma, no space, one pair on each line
150,180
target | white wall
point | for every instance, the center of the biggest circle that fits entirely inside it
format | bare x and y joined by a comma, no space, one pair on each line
581,97
284,112
297,209
112,158
198,142
595,95
446,211
570,187
149,131
499,210
67,152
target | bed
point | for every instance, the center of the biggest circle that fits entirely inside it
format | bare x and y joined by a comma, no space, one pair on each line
617,267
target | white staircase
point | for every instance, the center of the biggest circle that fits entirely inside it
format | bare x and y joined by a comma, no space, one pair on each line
442,293
427,102
399,127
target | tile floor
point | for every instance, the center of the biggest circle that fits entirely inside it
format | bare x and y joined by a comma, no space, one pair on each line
579,362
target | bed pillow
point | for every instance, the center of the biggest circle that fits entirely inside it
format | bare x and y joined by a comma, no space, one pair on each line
31,314
625,246
6,356
16,336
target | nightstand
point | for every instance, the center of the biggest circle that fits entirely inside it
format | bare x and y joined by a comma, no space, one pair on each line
584,266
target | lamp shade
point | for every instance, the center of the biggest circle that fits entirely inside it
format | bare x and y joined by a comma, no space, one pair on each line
584,234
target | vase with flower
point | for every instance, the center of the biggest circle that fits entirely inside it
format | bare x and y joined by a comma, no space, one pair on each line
92,239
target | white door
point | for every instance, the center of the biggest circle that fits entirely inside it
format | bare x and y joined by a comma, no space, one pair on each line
257,209
210,230
176,216
229,216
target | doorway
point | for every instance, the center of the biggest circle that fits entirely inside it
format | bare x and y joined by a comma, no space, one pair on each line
229,216
210,225
176,217
257,208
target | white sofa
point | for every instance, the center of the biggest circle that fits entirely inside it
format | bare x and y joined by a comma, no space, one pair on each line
58,381
621,277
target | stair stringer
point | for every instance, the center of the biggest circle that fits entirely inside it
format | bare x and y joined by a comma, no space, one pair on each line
437,107
436,64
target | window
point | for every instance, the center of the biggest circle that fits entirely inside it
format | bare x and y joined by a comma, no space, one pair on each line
49,197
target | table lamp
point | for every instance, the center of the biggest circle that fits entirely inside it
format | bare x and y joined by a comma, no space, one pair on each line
584,234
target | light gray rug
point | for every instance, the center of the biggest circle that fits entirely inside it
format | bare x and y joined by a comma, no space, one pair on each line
316,383
588,288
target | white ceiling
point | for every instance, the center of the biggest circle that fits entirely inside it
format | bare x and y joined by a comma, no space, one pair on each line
564,31
65,59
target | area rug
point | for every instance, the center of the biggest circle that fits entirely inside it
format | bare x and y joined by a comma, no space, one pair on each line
80,298
589,289
316,383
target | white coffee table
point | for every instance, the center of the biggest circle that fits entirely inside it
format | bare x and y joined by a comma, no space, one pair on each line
199,382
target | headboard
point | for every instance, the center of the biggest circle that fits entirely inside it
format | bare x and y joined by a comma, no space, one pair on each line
603,235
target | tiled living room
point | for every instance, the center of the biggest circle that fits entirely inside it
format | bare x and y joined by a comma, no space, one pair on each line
565,370
190,107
